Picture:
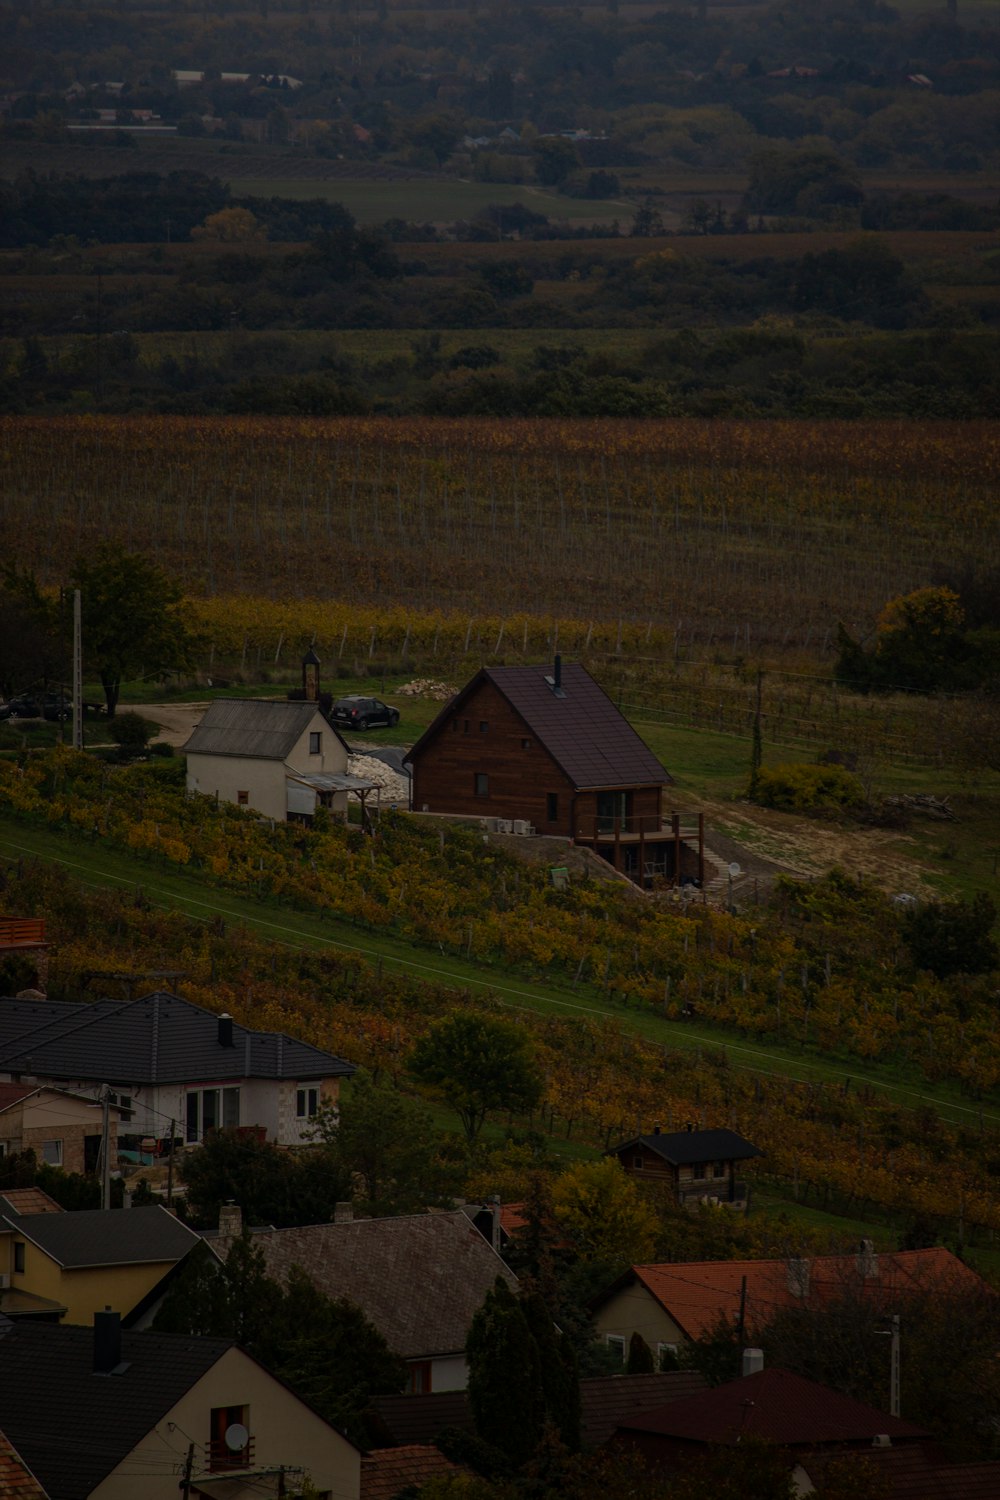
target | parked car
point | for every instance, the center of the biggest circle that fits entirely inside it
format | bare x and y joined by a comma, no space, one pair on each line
24,706
362,713
57,707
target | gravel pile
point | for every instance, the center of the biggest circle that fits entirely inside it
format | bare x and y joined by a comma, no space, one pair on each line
395,788
425,687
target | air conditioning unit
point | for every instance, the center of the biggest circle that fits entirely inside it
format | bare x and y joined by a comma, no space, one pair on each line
4,1280
521,825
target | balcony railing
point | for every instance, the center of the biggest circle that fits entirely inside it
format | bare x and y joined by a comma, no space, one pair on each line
220,1456
604,828
22,932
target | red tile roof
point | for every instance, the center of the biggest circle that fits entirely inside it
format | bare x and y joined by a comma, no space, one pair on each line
775,1405
29,1201
13,1093
696,1294
386,1471
16,1480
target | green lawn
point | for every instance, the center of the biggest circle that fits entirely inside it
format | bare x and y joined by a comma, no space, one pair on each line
426,200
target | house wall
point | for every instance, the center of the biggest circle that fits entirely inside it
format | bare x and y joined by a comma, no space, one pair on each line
283,1430
635,1310
88,1289
55,1117
224,776
444,776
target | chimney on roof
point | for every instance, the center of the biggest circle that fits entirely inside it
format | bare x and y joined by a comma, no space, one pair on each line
343,1213
798,1276
230,1219
689,1127
107,1342
867,1260
555,681
310,676
753,1361
226,1030
656,1129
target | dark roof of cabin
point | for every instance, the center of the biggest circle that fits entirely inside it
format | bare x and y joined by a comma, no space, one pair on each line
683,1147
583,731
159,1038
107,1237
252,728
72,1426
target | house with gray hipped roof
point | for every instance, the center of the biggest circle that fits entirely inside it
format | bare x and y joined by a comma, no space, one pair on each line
165,1060
101,1414
420,1278
282,760
542,749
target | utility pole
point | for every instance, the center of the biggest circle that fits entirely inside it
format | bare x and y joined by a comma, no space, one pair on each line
188,1466
170,1164
106,1147
894,1368
77,689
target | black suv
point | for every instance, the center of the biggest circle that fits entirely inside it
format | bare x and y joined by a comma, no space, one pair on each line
362,713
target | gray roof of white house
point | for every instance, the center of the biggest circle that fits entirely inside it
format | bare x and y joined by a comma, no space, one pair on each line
253,728
157,1039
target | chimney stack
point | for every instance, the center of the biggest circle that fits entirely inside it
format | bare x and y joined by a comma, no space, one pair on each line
107,1342
868,1260
343,1213
230,1219
226,1030
753,1361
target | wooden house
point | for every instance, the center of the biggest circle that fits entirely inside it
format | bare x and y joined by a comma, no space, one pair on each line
696,1164
546,751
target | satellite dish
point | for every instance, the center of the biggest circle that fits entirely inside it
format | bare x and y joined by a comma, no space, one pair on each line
237,1437
734,870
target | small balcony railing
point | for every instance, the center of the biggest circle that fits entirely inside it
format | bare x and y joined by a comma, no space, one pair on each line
220,1456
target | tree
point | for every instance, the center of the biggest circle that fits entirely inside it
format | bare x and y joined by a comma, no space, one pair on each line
31,650
131,624
477,1064
953,937
505,1379
604,1213
130,733
233,226
558,1372
388,1142
272,1186
556,159
640,1356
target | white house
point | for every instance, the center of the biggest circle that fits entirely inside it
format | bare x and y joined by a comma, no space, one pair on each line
280,759
165,1059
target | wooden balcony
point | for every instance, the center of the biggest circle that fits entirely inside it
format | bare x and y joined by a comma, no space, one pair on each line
22,932
647,847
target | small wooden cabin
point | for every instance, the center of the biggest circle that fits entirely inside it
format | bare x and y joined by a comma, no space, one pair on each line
697,1164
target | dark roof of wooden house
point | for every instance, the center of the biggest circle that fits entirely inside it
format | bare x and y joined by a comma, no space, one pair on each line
586,735
683,1148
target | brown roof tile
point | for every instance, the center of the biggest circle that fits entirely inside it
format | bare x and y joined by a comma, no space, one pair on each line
697,1293
419,1278
387,1471
776,1405
28,1201
16,1480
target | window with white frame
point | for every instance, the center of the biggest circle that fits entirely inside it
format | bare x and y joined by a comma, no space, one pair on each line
306,1103
211,1109
52,1153
616,1343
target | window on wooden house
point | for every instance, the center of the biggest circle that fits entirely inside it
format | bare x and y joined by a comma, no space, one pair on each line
454,726
719,1169
315,742
484,726
525,744
637,1163
465,726
698,1171
552,806
482,784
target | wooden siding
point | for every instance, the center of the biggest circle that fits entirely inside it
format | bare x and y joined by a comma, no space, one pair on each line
487,737
521,773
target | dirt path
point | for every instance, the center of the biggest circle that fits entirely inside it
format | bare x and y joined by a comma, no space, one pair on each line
176,720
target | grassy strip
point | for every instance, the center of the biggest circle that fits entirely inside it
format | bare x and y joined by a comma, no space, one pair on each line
198,897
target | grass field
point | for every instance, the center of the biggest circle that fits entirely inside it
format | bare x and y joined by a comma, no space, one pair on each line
434,200
198,896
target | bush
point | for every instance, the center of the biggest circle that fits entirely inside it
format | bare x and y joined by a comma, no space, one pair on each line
806,788
130,733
